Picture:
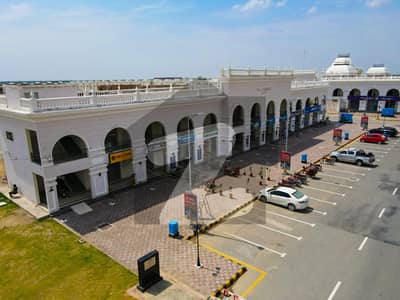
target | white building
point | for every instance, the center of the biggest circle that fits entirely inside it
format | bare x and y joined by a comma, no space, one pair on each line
352,90
71,141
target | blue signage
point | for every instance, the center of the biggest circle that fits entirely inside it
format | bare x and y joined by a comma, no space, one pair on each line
314,108
283,118
256,124
271,121
380,98
183,139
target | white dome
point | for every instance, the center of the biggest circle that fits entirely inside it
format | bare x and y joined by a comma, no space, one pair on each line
378,70
342,66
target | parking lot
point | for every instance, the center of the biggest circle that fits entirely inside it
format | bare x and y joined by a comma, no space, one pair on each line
302,253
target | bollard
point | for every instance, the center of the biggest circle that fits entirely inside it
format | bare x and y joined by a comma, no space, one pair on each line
220,193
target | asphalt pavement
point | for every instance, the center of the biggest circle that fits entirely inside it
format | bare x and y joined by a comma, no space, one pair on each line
345,246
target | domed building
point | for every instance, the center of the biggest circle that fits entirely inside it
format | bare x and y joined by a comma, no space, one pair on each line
378,70
342,67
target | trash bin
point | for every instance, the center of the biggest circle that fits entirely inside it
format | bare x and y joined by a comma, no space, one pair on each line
346,135
173,228
304,158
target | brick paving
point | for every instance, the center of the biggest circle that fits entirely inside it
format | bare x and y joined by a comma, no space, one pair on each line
139,216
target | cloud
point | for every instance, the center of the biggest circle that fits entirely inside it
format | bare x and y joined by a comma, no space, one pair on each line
312,10
376,3
15,12
281,3
251,5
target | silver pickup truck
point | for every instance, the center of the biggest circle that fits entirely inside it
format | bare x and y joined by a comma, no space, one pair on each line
353,155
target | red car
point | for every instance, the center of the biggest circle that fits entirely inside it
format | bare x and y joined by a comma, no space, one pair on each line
373,138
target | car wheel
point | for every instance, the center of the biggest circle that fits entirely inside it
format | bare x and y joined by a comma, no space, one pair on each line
379,142
291,207
335,158
263,199
359,163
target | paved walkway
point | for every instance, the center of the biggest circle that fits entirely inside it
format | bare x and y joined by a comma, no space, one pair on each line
139,216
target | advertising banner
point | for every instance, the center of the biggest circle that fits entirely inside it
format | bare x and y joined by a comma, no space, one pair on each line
364,122
190,205
337,132
120,156
285,160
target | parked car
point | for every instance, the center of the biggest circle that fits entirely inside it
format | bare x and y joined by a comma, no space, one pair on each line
284,196
373,138
385,130
353,155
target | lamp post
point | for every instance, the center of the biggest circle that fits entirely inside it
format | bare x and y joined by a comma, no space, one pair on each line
198,264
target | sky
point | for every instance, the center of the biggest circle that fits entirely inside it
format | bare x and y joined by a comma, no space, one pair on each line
136,39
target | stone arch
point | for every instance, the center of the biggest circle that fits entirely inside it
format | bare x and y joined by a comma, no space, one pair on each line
68,148
238,116
337,92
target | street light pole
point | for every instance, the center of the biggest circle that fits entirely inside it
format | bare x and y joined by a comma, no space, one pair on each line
198,264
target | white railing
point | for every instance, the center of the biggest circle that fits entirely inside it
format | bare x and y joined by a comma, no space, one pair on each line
304,84
229,72
362,78
77,102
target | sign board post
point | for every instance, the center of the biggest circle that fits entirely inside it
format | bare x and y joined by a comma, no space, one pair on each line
337,135
149,270
285,160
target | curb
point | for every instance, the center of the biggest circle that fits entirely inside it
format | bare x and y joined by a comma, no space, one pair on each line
228,283
336,149
207,227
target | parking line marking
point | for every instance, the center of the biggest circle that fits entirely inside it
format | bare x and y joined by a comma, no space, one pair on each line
248,266
381,213
363,243
281,254
394,192
299,238
289,218
332,294
321,190
343,171
323,201
334,183
355,167
324,213
352,179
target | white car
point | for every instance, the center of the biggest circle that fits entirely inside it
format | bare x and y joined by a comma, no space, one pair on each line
284,196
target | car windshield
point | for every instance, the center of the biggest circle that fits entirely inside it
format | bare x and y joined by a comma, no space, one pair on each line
298,194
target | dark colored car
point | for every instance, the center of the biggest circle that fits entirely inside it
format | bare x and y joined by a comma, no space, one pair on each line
387,131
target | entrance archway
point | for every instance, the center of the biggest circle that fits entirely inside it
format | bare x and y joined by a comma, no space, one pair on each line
185,141
372,103
354,103
210,135
68,148
156,150
315,113
392,103
298,114
238,116
337,93
270,121
118,147
255,126
307,113
283,117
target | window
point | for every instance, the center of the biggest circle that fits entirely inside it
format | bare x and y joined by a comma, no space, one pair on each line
27,95
9,136
351,153
298,194
343,152
36,95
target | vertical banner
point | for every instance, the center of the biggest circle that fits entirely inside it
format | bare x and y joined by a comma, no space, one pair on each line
337,135
190,205
364,122
285,160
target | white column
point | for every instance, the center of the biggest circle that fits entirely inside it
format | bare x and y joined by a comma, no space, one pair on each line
98,180
50,185
302,121
198,145
246,138
172,152
263,128
276,129
139,149
310,119
225,139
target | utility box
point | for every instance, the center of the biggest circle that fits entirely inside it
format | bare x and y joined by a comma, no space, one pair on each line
387,112
346,118
149,270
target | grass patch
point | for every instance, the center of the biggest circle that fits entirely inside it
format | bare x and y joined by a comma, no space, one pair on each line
7,209
43,260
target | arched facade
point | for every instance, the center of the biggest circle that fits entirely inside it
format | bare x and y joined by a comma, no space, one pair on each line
255,125
337,93
185,141
307,113
118,148
315,113
270,121
156,160
238,116
372,103
68,148
354,100
283,119
299,108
